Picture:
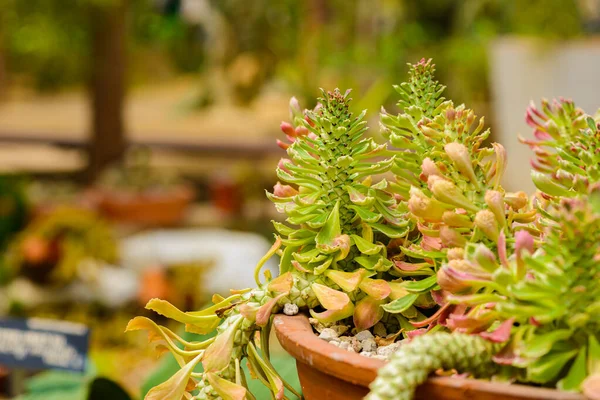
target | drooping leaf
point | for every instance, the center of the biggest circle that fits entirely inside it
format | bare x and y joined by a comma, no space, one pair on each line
226,389
375,288
282,284
330,316
330,299
218,354
195,323
266,310
348,281
367,313
174,387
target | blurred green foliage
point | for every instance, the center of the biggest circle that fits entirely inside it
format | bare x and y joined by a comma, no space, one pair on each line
362,44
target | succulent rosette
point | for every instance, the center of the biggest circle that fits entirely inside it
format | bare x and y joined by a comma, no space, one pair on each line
332,252
566,148
528,299
548,295
451,184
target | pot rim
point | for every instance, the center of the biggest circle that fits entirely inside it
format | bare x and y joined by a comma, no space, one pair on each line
297,337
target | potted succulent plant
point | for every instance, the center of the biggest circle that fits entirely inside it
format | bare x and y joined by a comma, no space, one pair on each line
390,259
134,194
50,249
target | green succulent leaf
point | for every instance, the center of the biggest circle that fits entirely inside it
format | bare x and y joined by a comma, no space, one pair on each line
540,345
401,305
365,246
420,286
331,229
576,375
391,231
549,366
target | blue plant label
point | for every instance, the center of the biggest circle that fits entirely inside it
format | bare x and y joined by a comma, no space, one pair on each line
43,344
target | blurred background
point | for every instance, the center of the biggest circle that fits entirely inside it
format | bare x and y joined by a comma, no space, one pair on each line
137,137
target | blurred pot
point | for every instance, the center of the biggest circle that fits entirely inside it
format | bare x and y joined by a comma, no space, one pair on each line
150,208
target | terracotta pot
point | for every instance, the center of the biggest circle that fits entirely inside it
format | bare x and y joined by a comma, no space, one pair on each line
328,372
148,209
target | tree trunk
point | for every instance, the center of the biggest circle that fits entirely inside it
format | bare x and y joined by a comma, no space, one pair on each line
107,86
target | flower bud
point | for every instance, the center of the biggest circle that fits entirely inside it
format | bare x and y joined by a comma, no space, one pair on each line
301,131
451,238
454,219
455,276
280,190
447,192
287,128
485,220
523,242
497,171
484,258
281,164
495,202
455,253
460,156
424,207
282,145
431,133
429,168
450,114
295,110
516,200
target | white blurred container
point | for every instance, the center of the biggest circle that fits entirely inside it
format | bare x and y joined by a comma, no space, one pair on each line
233,254
530,69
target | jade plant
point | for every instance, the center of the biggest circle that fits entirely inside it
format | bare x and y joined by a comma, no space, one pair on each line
332,249
531,307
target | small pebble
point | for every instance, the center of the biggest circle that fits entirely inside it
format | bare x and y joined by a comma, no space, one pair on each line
364,335
340,329
369,345
344,345
317,325
356,345
335,343
366,353
387,351
290,309
328,334
379,330
377,356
